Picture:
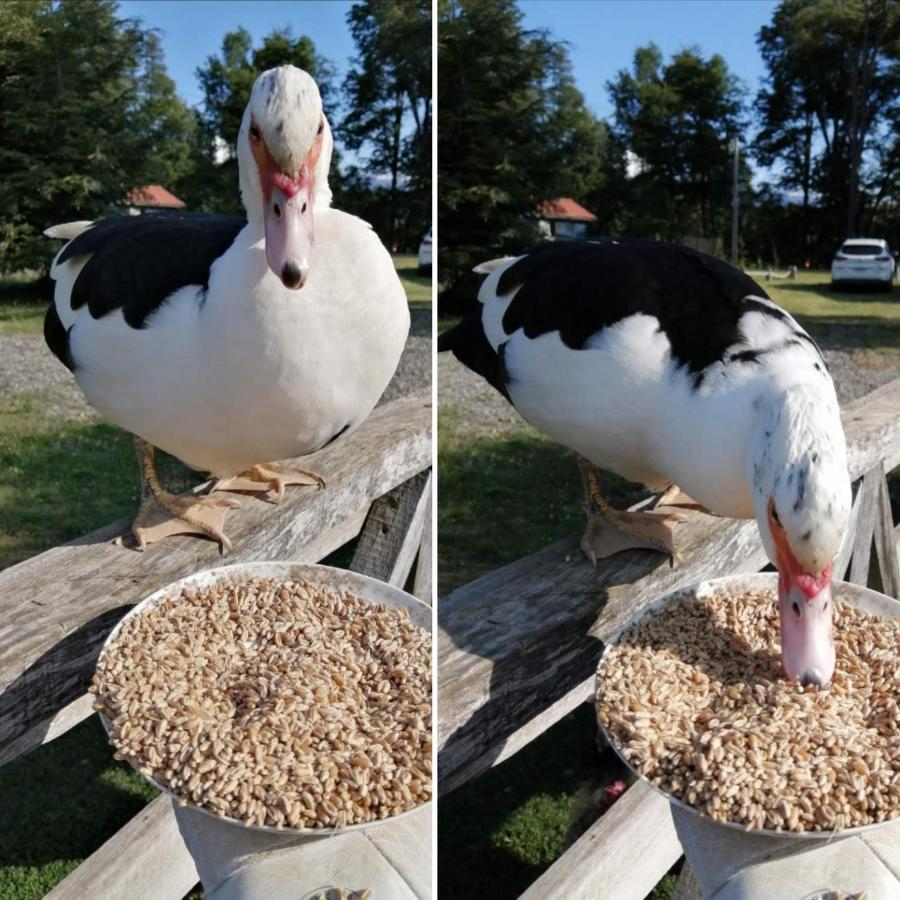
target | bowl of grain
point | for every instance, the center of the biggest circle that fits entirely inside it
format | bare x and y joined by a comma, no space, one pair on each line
287,698
691,695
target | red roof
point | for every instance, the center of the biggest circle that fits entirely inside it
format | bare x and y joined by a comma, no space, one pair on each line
153,195
565,208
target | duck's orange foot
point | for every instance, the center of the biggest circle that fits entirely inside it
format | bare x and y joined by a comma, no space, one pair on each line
163,515
271,477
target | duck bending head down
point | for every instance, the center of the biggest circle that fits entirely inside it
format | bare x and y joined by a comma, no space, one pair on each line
284,152
801,496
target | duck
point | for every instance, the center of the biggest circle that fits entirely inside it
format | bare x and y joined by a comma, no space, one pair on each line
673,369
233,343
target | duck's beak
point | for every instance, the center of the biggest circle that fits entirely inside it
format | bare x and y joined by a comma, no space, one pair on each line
288,220
806,611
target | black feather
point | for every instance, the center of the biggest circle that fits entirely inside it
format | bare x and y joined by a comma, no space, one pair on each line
57,337
139,261
578,288
468,343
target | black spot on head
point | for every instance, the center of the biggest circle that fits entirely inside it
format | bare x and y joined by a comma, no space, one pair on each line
817,367
815,457
280,128
801,490
791,478
806,536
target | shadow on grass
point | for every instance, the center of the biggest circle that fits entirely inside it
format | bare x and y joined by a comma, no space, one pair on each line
60,480
500,832
841,332
60,803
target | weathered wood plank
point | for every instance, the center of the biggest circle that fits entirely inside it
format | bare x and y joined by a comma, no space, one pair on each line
393,531
518,647
423,581
885,548
865,527
622,855
144,860
56,608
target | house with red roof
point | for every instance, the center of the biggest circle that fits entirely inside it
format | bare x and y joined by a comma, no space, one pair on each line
564,218
151,198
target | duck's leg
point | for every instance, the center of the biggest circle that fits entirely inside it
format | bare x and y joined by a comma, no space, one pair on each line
163,514
610,530
269,477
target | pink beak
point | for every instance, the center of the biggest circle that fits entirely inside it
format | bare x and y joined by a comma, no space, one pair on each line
805,607
289,228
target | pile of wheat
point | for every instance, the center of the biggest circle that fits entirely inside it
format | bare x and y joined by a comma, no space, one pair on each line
276,703
694,698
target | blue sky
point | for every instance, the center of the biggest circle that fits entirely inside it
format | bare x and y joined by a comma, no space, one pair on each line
192,30
603,34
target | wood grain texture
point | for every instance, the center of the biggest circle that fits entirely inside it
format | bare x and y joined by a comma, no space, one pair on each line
622,855
144,860
57,608
518,647
424,580
391,536
865,526
885,546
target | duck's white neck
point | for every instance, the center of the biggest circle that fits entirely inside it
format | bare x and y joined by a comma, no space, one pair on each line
798,460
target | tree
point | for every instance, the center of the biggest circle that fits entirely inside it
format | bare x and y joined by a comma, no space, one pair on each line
227,80
513,131
87,114
676,123
831,96
388,98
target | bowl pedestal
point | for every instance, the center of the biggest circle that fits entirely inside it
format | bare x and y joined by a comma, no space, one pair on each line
393,858
731,865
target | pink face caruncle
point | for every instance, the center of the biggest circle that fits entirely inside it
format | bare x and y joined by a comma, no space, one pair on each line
805,608
287,209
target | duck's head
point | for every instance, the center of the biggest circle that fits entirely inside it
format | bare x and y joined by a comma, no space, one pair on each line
801,492
284,152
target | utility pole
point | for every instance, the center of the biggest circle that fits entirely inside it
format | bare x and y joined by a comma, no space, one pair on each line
735,204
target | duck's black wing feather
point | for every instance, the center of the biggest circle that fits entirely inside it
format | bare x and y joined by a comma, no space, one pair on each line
578,288
138,261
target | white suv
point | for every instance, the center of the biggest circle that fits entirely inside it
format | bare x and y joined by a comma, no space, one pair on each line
863,261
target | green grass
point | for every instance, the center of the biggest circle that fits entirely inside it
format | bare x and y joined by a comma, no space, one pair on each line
841,320
61,479
61,802
417,287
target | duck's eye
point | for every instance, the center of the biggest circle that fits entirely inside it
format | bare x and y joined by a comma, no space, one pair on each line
321,127
254,134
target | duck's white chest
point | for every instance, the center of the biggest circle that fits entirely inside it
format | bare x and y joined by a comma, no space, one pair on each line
255,372
622,404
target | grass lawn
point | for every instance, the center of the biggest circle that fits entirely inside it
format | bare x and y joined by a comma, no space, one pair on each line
504,497
58,480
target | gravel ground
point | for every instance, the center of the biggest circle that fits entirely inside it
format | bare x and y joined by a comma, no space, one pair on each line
487,414
28,367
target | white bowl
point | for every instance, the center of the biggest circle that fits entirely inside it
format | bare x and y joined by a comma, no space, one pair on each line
866,599
369,589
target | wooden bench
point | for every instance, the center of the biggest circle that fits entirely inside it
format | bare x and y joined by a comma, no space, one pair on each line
57,608
517,650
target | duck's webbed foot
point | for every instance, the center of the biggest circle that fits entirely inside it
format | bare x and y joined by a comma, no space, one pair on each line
270,477
163,514
675,496
609,530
